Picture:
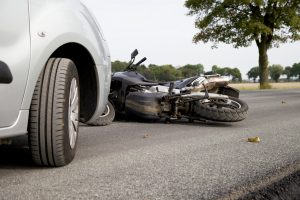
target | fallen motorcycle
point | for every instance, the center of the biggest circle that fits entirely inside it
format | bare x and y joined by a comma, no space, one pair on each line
205,97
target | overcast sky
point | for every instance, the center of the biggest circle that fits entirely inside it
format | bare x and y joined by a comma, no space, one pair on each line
161,31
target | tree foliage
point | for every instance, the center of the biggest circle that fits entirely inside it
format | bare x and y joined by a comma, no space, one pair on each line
118,66
227,71
240,22
275,72
296,70
253,73
162,73
236,75
191,70
288,72
170,73
152,72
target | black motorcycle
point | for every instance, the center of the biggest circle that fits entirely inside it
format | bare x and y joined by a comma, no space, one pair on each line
205,97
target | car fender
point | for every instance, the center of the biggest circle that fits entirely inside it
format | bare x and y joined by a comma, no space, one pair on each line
53,24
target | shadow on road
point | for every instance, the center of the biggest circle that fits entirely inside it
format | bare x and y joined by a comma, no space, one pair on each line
16,155
204,123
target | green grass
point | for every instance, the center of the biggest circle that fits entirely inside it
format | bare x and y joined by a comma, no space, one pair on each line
255,86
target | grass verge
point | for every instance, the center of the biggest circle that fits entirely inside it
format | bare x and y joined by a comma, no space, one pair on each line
255,86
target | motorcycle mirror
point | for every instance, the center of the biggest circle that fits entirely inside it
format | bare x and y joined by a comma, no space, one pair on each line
134,54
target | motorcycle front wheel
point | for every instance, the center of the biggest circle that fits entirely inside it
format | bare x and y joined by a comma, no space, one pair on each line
106,118
222,110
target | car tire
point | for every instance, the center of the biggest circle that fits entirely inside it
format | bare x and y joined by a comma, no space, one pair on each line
54,114
106,118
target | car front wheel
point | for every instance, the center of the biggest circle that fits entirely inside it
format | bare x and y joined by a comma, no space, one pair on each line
54,114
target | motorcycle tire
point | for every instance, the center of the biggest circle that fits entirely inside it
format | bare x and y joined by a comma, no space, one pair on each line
233,110
106,118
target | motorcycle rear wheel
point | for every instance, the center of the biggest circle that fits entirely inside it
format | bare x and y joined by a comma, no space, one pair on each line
223,110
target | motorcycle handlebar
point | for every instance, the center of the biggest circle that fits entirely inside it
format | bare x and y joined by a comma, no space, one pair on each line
141,61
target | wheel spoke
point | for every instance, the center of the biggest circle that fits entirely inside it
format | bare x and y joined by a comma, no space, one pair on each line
75,125
223,104
73,113
75,96
74,105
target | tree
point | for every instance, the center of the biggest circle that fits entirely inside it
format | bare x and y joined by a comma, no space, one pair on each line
214,69
275,72
296,70
191,70
162,73
118,66
223,71
267,22
253,73
288,72
168,73
151,72
236,75
227,71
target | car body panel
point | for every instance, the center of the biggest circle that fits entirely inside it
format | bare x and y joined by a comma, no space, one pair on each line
18,128
52,25
15,52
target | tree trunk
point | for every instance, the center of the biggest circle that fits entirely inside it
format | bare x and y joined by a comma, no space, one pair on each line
263,66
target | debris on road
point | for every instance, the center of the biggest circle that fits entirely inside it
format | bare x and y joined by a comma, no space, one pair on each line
146,136
255,139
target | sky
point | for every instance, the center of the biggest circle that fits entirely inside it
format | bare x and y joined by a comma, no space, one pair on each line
163,32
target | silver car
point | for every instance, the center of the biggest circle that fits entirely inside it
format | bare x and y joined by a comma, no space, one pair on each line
55,71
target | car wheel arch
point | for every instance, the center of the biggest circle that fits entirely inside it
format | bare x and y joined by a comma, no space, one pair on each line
87,76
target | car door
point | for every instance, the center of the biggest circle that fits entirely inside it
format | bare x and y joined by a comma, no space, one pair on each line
14,58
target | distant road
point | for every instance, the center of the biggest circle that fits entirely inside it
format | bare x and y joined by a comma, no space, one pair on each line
130,160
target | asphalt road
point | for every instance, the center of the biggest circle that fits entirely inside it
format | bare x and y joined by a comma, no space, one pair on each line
130,160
